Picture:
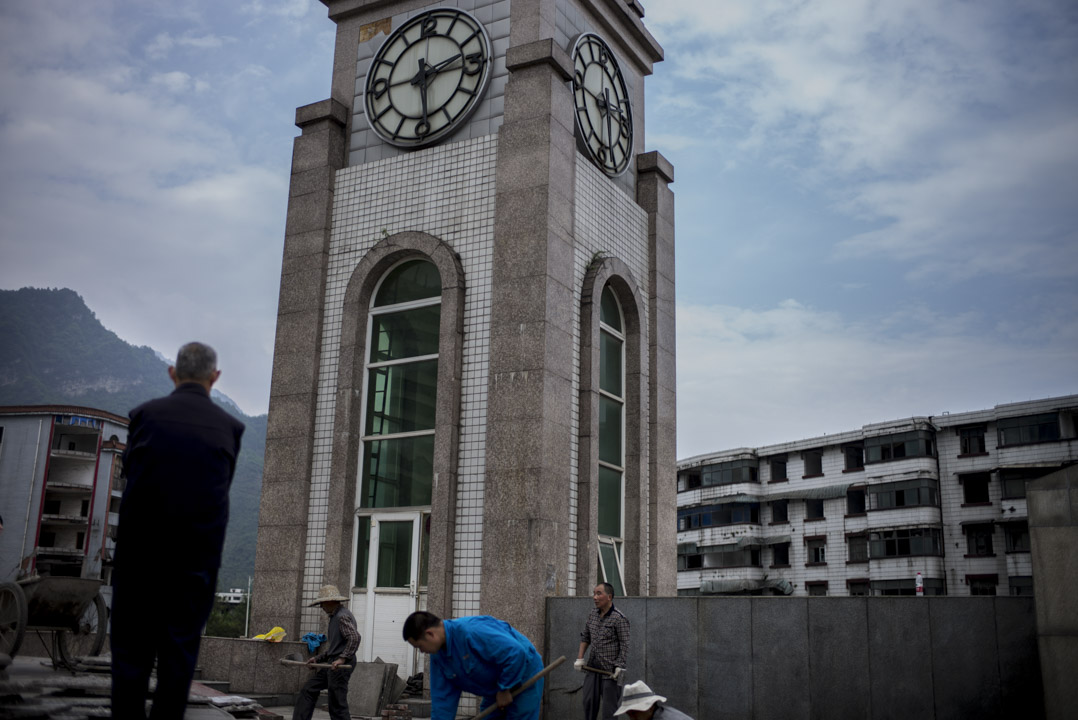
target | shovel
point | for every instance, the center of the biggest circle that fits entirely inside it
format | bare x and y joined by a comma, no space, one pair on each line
521,688
291,660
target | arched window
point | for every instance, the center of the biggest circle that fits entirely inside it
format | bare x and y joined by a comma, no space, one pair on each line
397,456
611,506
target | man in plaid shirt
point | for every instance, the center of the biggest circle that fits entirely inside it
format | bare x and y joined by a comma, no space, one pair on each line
607,632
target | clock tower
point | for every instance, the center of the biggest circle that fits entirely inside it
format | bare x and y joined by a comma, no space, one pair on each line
473,403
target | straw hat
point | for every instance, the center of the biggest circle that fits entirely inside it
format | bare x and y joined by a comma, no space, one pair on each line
637,696
328,593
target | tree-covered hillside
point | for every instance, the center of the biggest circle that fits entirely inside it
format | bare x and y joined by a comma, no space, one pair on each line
53,350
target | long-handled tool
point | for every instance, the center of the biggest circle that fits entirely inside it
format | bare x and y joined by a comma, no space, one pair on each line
312,666
527,684
597,671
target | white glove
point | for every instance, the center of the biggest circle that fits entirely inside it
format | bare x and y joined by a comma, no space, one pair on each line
616,675
579,665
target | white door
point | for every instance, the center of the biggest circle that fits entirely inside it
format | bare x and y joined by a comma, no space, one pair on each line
390,592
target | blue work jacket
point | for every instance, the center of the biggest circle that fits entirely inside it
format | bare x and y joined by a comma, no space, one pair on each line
483,655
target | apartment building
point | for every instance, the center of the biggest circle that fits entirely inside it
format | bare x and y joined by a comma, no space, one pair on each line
60,489
933,505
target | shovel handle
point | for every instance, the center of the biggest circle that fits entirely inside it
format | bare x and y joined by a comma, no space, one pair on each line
312,666
527,684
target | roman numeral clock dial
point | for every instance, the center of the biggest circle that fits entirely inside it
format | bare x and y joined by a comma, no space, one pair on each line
604,114
427,78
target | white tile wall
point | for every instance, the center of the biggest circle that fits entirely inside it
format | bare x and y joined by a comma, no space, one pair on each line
447,191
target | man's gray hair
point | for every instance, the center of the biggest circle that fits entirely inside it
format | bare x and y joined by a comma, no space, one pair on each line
196,361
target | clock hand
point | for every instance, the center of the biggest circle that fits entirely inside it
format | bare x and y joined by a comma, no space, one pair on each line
609,130
442,65
420,79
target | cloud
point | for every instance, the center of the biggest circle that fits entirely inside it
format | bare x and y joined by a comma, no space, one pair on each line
751,377
947,126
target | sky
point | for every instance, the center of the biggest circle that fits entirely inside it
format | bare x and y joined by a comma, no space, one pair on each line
876,201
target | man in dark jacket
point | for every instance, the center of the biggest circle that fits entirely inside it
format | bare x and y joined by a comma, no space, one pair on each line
180,458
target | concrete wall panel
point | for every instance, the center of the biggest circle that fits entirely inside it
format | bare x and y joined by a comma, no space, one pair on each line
838,656
671,665
724,652
780,658
1019,664
900,657
965,663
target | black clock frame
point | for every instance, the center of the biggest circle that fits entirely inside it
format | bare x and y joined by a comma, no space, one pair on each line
590,49
472,63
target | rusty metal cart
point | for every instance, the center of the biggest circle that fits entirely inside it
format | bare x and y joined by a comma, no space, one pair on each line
72,608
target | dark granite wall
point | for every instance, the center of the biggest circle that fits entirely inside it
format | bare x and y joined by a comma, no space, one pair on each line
758,658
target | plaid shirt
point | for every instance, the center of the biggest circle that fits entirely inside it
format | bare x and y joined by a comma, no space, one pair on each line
608,639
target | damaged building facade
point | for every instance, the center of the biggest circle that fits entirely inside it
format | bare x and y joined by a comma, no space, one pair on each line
472,405
60,490
936,501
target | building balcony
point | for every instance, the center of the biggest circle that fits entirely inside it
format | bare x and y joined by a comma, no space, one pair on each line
77,455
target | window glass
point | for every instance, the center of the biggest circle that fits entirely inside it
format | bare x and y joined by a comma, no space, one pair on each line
363,550
975,488
397,472
855,457
1020,584
858,548
855,502
424,548
610,419
779,511
609,502
609,311
394,554
971,440
979,539
1028,429
401,398
778,470
813,462
1017,534
813,509
409,281
609,568
782,554
610,369
817,551
404,334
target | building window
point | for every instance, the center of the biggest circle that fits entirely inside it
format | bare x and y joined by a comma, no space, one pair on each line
1028,429
855,501
979,540
780,555
402,385
932,586
855,457
724,473
975,488
982,584
1013,480
813,463
885,448
780,512
778,470
905,493
611,440
718,556
904,542
971,440
712,515
816,550
857,588
816,588
1017,536
857,548
814,510
1021,585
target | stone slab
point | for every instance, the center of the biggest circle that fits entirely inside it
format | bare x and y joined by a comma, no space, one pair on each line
838,656
780,658
900,657
724,652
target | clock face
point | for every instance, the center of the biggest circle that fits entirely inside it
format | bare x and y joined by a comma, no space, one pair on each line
427,78
604,114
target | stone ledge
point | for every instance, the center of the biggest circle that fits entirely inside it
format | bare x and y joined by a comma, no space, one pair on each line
538,53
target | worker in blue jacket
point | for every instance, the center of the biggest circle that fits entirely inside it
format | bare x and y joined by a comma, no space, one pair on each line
481,655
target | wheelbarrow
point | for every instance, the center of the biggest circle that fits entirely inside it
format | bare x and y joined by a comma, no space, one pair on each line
71,607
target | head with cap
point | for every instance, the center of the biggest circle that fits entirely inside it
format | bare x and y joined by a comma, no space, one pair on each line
638,701
329,598
195,363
